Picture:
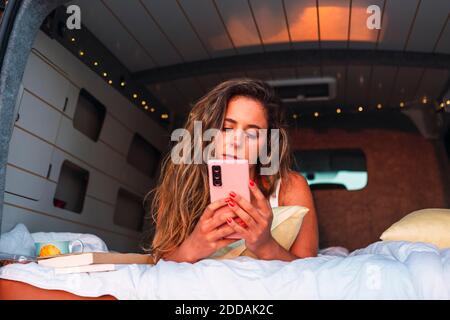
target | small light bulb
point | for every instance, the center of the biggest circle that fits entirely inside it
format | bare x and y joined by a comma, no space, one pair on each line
164,116
379,106
294,116
448,102
360,109
144,102
135,95
122,84
73,39
105,74
96,63
402,104
146,107
424,100
110,82
152,109
316,114
442,105
338,110
81,53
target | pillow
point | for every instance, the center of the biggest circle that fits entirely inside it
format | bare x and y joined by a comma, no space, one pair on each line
426,225
286,224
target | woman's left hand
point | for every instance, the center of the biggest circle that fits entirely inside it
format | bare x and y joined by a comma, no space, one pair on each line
258,218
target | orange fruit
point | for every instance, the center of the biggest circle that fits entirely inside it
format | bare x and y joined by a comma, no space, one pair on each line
49,250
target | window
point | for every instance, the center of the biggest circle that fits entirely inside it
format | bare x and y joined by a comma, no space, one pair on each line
332,169
143,156
129,211
71,188
89,115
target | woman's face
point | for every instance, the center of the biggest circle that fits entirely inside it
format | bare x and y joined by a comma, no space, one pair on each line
240,139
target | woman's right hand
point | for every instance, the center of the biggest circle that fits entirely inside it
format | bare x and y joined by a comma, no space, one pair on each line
207,236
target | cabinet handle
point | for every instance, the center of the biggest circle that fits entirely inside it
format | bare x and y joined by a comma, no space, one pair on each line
49,170
65,104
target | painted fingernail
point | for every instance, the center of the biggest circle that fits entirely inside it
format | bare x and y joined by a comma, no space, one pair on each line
227,199
252,183
231,203
229,220
232,194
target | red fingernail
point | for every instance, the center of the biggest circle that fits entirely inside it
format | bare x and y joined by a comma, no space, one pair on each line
231,203
252,183
229,220
227,199
232,194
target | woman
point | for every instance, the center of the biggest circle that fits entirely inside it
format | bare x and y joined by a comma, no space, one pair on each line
186,229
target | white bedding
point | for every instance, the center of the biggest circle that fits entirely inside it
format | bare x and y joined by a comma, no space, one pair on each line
383,270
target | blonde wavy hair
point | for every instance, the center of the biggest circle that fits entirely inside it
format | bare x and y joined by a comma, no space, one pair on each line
182,192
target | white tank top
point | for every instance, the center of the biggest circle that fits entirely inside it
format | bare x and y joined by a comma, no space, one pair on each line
274,196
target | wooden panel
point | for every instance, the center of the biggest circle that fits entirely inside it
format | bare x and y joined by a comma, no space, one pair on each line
240,25
303,24
272,25
22,183
102,23
44,81
406,86
172,20
430,21
208,25
444,43
116,135
141,24
34,113
29,152
397,20
357,85
381,85
334,20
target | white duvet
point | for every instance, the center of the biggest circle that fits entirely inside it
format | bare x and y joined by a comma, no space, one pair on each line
383,270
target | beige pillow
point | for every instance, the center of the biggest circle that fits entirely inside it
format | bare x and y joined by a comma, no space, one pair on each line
286,224
426,225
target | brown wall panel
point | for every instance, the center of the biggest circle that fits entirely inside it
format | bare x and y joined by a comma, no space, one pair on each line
404,175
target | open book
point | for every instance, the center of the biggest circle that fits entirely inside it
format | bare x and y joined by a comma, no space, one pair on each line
94,258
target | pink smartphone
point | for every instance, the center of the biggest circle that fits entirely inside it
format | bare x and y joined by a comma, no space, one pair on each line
226,175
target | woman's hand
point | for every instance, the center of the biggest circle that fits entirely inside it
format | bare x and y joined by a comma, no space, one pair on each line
207,235
257,235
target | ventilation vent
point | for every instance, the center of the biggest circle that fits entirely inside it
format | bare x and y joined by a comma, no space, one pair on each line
306,89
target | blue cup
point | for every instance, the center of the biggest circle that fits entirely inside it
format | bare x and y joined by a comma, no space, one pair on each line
53,248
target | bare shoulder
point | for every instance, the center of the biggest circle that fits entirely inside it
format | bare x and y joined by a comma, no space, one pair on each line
294,188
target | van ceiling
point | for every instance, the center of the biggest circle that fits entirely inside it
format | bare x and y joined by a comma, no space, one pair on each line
180,48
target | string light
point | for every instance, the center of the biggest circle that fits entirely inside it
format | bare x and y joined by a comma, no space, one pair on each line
360,109
110,81
73,39
152,109
96,63
316,114
81,53
123,84
164,116
402,104
144,102
146,107
448,102
379,106
135,95
424,100
105,74
338,110
294,116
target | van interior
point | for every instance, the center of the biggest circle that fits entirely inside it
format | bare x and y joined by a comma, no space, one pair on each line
87,113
